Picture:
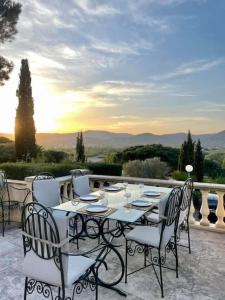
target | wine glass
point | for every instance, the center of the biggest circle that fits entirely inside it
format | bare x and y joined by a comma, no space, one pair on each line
125,184
127,195
141,186
75,201
102,194
104,198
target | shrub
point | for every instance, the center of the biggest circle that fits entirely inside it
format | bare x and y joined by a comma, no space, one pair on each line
179,175
8,152
142,152
21,170
149,168
104,169
53,156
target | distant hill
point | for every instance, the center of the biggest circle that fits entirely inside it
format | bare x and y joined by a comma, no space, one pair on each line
96,138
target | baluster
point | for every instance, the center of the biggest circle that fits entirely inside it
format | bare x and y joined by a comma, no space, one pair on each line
192,210
65,192
220,213
70,191
91,184
204,208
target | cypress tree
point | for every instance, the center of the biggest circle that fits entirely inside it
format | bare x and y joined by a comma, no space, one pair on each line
190,149
199,162
77,146
186,156
80,150
25,142
182,156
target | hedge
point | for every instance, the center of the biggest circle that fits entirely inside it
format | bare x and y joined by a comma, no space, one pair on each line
19,171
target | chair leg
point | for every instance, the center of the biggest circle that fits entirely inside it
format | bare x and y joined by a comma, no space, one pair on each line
96,282
145,256
189,241
63,293
76,229
25,289
160,271
176,255
3,223
126,263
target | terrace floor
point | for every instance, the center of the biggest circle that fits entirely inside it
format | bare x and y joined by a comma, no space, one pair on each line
201,274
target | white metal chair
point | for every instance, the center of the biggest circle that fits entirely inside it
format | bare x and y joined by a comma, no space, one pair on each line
149,237
81,185
47,262
7,204
187,191
46,190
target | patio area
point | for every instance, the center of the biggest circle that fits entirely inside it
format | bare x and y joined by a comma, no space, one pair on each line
201,274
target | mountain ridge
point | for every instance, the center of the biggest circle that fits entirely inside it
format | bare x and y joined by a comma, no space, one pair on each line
101,138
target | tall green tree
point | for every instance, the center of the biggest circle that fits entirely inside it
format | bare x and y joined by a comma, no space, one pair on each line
186,156
9,15
25,142
199,162
80,150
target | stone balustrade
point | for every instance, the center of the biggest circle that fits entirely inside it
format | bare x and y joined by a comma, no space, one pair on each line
99,181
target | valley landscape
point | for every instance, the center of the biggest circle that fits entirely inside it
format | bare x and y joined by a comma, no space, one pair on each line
96,138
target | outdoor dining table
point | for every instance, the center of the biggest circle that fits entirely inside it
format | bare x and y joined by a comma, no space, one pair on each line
121,213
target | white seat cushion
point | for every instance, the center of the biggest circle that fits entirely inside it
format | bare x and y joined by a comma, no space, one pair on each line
47,192
77,266
145,235
47,271
81,185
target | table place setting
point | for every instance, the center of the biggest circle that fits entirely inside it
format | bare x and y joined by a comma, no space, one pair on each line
113,188
140,204
153,194
98,210
90,198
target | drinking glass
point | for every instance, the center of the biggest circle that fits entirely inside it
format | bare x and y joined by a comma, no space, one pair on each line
75,201
141,186
103,197
127,195
125,184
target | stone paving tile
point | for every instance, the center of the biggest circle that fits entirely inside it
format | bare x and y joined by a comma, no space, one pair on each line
201,274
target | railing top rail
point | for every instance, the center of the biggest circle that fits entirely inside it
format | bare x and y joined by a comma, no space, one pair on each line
17,182
149,181
163,182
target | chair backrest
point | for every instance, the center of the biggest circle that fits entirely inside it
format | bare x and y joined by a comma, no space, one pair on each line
4,191
81,185
2,179
46,190
187,191
169,210
42,243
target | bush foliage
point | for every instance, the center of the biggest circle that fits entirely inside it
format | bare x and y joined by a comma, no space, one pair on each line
166,154
21,170
149,168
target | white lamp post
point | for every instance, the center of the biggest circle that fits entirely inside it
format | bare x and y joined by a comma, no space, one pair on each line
189,169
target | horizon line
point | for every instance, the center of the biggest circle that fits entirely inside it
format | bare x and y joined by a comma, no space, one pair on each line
92,130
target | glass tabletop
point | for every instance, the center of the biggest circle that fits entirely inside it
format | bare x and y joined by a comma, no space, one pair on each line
119,199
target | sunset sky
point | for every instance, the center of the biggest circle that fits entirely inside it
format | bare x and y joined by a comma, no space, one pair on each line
121,65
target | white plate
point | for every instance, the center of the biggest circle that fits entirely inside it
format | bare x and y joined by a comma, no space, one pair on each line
88,198
112,188
151,193
96,208
141,203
